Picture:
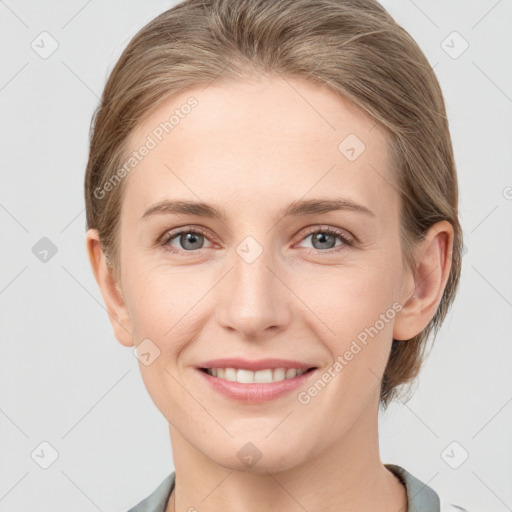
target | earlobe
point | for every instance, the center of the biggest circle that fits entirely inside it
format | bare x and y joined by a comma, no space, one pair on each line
424,288
110,290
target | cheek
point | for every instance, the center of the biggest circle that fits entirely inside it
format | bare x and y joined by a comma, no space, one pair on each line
166,305
161,305
359,308
351,300
147,306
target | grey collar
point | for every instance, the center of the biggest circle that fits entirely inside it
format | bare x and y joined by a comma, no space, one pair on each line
420,497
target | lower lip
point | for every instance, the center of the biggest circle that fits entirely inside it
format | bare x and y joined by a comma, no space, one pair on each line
255,393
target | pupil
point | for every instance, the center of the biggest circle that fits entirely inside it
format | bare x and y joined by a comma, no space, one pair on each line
323,239
189,239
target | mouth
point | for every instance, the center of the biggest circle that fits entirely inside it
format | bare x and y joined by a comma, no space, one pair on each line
264,376
254,381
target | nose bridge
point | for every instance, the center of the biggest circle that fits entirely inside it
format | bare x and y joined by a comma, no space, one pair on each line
253,299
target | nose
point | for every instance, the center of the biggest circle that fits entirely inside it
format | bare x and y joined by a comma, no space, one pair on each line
254,300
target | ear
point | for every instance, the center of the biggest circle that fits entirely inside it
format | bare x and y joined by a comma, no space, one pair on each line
110,290
422,290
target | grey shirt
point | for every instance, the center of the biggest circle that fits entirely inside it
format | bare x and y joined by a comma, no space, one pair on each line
420,497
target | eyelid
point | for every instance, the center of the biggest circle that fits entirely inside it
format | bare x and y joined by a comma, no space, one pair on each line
173,233
347,238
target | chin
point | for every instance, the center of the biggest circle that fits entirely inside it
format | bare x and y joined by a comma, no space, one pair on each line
257,457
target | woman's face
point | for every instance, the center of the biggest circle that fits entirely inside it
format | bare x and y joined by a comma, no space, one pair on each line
263,272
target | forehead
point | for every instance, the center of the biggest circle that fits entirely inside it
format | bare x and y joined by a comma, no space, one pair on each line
275,140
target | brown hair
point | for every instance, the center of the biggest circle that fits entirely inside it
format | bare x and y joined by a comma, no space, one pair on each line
354,47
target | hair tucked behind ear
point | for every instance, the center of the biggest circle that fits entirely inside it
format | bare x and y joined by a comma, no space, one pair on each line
353,46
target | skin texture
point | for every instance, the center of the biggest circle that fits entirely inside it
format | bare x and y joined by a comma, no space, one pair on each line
250,149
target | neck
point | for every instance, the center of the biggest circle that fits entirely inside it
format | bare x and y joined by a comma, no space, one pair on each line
348,475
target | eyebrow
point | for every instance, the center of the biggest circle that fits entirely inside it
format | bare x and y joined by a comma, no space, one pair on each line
295,209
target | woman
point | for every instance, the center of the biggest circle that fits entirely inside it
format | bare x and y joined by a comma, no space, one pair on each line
272,213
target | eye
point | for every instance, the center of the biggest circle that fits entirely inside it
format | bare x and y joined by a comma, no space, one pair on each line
324,239
188,240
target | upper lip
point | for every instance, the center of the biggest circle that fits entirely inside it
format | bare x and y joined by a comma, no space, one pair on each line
260,364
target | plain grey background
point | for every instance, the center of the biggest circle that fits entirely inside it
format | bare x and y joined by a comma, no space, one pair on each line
66,382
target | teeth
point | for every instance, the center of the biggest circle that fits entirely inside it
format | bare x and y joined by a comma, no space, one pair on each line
244,376
290,373
258,377
230,374
279,374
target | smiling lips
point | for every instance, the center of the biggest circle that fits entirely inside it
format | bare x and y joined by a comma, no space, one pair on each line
254,381
250,377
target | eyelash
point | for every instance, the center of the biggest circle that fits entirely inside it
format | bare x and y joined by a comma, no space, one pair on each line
347,241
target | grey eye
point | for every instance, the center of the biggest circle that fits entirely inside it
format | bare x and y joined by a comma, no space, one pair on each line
191,241
321,240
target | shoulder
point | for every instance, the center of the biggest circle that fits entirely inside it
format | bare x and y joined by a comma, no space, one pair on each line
420,496
450,507
157,500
